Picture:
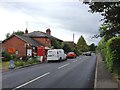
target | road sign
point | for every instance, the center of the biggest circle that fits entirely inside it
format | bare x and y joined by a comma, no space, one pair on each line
11,65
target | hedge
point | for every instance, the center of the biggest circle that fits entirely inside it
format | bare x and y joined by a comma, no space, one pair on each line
102,48
113,54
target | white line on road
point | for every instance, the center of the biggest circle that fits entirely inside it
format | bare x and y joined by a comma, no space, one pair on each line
75,61
31,81
63,66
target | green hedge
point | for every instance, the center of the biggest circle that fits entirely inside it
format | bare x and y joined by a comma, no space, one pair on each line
110,52
102,48
113,54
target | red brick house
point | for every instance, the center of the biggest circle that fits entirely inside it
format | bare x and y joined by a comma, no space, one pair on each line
26,44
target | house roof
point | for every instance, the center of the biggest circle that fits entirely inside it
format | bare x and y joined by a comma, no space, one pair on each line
27,40
40,34
30,40
36,34
29,37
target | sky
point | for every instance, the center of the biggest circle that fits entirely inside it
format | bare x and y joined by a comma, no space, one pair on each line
63,17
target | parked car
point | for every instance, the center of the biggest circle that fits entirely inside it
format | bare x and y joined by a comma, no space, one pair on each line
88,54
56,55
71,55
84,53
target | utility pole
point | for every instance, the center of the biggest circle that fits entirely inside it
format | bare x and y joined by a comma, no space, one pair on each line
73,37
73,41
26,25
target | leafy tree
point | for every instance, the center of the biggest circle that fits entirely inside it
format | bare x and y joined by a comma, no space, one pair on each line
111,13
18,32
7,35
56,44
92,47
77,52
82,45
67,48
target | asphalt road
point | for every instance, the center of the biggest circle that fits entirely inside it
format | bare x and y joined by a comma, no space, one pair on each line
73,73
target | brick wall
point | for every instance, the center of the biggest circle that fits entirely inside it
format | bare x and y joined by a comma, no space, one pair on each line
17,43
45,41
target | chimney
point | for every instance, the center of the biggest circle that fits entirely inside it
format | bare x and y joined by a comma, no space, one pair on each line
48,31
26,31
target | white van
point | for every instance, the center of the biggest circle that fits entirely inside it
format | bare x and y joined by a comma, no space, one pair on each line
56,54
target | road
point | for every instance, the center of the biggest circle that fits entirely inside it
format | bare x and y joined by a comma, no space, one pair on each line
73,73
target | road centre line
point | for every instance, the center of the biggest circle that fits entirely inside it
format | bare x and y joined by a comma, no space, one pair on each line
75,61
31,81
63,66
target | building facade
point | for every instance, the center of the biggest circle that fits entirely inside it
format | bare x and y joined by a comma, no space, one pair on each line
27,44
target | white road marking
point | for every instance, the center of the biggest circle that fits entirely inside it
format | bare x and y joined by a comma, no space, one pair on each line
31,81
63,66
75,61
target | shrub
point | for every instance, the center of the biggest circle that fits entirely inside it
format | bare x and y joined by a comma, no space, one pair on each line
7,56
77,52
113,54
35,60
19,63
102,48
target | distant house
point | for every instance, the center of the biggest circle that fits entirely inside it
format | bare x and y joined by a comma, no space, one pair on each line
70,43
25,44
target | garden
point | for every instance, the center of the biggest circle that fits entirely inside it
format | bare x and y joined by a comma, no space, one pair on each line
18,61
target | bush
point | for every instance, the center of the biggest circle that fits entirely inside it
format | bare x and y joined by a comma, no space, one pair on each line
19,63
7,56
102,48
35,60
113,54
77,52
30,61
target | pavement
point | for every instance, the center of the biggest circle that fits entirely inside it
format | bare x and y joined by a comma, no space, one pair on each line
103,78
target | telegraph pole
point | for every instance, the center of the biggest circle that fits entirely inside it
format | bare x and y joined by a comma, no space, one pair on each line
26,25
73,41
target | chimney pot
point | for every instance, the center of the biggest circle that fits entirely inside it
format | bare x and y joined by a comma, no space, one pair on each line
26,31
48,31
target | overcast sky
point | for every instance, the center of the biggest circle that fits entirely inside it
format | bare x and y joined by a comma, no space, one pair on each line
64,17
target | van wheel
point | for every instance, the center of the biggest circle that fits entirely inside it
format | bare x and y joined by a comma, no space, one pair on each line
65,58
60,59
48,61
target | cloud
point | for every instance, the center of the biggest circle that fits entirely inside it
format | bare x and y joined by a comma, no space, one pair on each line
63,17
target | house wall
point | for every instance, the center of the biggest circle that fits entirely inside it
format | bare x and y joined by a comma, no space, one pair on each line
17,43
45,41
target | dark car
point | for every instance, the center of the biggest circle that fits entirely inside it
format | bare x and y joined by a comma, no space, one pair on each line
71,55
88,54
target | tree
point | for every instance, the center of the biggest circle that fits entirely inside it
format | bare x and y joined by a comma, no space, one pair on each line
76,52
111,13
105,32
7,35
92,47
56,44
82,45
18,32
67,48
